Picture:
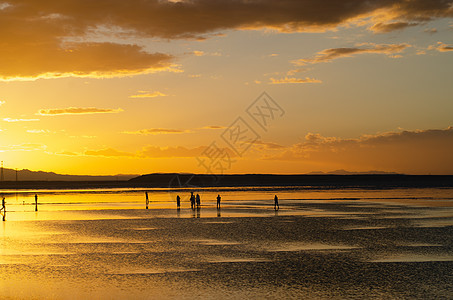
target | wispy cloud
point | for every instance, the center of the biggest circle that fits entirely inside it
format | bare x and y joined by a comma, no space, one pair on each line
19,120
148,94
328,55
431,30
109,152
152,152
295,71
198,53
294,80
392,26
153,131
76,111
213,127
37,131
268,145
441,47
23,147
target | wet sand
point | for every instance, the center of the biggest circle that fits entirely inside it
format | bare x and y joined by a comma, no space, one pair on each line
372,246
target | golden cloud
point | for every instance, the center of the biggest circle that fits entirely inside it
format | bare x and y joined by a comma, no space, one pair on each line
153,152
24,147
19,120
328,55
441,47
213,127
146,94
388,27
157,131
76,111
294,80
109,152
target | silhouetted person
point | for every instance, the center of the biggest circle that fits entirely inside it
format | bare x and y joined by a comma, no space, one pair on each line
276,206
147,199
178,201
198,200
218,201
36,202
192,200
3,209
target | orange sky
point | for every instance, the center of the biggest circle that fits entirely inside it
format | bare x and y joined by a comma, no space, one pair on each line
110,87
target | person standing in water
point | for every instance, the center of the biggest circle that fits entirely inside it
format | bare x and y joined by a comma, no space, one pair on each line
192,200
36,202
218,201
3,209
147,199
178,201
276,206
198,200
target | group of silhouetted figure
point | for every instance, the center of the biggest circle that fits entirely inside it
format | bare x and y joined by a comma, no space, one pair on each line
3,207
195,201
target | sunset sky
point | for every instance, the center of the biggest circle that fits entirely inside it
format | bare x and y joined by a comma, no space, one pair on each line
135,87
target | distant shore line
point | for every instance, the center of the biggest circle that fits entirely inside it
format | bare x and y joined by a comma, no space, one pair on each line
174,180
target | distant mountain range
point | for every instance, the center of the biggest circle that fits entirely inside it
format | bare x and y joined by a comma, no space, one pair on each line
27,175
332,180
344,172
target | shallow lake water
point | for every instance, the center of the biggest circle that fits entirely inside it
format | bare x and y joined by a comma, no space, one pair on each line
104,244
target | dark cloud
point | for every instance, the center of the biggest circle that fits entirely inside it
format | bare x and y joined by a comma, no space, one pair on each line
49,38
418,151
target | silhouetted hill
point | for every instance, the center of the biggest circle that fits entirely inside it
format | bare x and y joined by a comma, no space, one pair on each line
310,181
27,175
344,172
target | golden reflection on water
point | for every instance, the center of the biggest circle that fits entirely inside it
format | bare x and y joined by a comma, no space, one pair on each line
108,246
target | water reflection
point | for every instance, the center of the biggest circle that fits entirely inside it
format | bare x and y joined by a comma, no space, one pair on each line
107,246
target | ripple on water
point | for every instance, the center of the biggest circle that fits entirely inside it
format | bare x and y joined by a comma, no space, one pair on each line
214,242
290,247
414,258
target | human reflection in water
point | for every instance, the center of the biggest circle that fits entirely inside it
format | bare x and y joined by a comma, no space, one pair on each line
198,212
276,206
218,201
219,214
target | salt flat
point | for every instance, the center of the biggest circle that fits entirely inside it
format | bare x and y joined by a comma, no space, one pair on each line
366,244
